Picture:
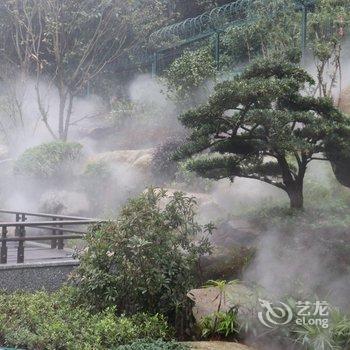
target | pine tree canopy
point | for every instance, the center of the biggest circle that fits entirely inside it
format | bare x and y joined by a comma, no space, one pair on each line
264,125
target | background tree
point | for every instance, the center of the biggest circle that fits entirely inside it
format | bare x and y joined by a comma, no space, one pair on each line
188,76
263,126
70,43
328,26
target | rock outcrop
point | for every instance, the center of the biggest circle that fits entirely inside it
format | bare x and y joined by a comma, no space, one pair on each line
206,300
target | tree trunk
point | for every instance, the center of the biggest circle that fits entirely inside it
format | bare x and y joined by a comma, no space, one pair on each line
62,107
296,197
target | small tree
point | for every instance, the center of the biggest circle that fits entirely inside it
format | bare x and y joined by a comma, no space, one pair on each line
263,126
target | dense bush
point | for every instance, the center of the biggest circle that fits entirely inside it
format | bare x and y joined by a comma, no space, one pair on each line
146,260
48,160
43,321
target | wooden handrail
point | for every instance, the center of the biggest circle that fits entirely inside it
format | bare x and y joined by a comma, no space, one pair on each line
41,223
39,238
56,225
60,229
44,215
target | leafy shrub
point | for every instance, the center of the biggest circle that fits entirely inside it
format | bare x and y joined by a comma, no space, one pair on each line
292,335
220,324
155,345
51,321
315,337
53,159
146,260
163,166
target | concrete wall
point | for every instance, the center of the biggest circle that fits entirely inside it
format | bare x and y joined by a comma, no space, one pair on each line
37,276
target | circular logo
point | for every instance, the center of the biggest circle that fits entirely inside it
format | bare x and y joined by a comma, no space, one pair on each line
273,316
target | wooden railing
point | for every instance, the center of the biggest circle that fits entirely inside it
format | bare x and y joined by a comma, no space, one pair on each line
59,225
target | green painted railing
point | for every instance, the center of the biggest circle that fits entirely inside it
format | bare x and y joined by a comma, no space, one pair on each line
216,21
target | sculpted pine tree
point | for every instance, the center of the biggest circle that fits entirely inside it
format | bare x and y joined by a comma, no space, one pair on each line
263,126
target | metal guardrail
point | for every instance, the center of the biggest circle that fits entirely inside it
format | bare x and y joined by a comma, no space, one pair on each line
215,22
219,18
59,224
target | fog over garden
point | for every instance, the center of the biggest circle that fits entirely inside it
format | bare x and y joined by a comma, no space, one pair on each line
175,174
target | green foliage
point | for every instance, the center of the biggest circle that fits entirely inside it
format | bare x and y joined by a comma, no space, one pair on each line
315,337
98,171
52,321
262,126
146,260
48,160
275,28
327,29
189,181
187,75
155,345
121,113
222,324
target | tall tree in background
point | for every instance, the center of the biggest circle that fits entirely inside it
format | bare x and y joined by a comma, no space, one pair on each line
68,43
328,31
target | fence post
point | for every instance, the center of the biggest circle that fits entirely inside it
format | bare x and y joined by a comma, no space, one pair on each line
3,259
54,241
60,240
20,251
17,228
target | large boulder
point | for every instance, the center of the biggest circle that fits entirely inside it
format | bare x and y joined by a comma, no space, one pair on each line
206,300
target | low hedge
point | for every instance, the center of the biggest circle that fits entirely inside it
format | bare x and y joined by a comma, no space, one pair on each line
52,159
51,321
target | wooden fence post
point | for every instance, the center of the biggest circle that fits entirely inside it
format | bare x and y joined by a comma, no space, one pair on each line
20,251
3,259
54,240
17,228
60,240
